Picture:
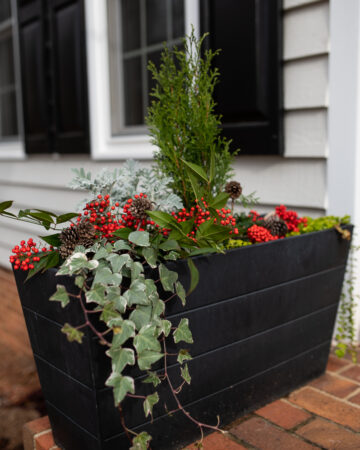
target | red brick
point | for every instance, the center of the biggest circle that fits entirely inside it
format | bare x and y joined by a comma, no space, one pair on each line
335,364
32,428
264,436
353,372
328,407
45,442
329,435
334,385
355,399
216,441
283,414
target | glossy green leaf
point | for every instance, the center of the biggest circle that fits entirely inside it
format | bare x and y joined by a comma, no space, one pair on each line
120,358
194,275
60,295
96,294
121,386
141,316
219,201
163,219
72,333
121,245
183,333
146,339
147,358
53,239
167,278
42,216
196,170
149,403
123,331
5,205
140,238
105,276
123,233
169,244
150,256
66,217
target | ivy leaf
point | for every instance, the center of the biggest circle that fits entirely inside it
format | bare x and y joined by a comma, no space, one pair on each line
105,276
121,386
72,333
136,269
152,378
167,278
141,441
102,253
136,294
108,313
180,291
121,245
149,403
165,327
147,358
79,281
169,244
118,261
185,374
96,294
183,333
146,339
60,295
120,358
141,316
150,256
172,256
194,275
183,355
124,331
140,238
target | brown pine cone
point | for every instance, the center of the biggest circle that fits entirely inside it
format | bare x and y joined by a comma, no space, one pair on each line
139,206
234,189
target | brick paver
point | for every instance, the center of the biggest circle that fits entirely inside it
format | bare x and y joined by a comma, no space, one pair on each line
216,441
335,364
335,385
329,435
283,414
353,373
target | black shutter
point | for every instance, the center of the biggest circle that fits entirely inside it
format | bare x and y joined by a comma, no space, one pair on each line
249,95
54,81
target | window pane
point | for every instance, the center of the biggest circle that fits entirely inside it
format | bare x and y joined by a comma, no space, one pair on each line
8,125
134,114
155,58
6,62
156,21
5,11
178,18
130,12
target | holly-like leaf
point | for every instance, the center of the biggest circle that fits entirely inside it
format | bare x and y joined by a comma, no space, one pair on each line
141,441
185,374
146,339
96,294
66,217
183,355
180,291
120,358
167,278
183,333
123,233
163,219
147,358
149,403
150,256
140,238
60,295
72,333
53,239
125,329
121,386
152,378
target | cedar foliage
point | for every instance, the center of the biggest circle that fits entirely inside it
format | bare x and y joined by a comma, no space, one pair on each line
181,118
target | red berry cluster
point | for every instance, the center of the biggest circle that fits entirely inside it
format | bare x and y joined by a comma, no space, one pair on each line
26,254
128,220
255,216
257,233
291,218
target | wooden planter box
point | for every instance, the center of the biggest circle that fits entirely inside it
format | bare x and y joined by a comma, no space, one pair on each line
262,319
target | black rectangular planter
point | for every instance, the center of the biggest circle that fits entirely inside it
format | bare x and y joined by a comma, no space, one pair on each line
262,319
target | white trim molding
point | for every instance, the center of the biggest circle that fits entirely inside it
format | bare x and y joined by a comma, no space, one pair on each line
103,145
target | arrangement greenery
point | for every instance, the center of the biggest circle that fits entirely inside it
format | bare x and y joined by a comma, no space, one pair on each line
136,220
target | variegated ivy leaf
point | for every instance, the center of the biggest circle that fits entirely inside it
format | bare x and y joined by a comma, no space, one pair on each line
151,290
141,441
79,281
109,313
118,261
136,294
140,238
102,253
121,386
78,261
146,339
183,333
105,276
121,245
141,316
150,256
149,403
72,333
167,278
96,294
120,358
183,355
123,330
136,269
60,295
165,327
147,358
180,291
158,308
185,374
172,256
152,378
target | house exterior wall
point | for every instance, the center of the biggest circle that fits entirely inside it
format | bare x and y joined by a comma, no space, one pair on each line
297,179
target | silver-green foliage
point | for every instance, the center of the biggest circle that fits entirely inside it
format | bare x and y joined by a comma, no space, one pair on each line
124,182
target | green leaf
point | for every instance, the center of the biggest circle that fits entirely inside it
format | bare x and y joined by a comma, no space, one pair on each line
194,275
5,205
216,233
196,170
51,260
79,281
185,374
141,316
180,291
120,358
106,277
149,403
183,355
123,233
141,441
146,339
123,331
136,294
198,191
163,219
121,386
118,261
202,251
38,265
140,238
167,278
183,333
212,164
153,379
72,333
136,269
172,256
60,295
108,313
65,217
42,216
169,244
147,358
53,239
96,294
121,245
150,255
102,253
219,201
165,327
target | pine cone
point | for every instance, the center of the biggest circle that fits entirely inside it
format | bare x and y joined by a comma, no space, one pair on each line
81,234
234,189
139,206
86,231
275,225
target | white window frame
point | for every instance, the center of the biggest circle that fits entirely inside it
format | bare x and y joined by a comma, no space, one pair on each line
14,148
104,146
